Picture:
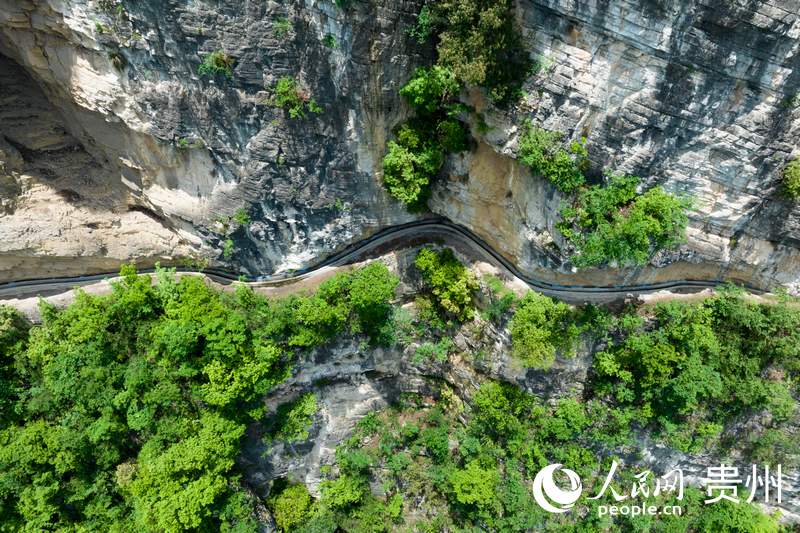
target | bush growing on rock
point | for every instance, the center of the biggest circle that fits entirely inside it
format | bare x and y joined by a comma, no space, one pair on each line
480,43
614,223
543,151
217,62
431,89
416,155
291,97
292,507
293,420
791,179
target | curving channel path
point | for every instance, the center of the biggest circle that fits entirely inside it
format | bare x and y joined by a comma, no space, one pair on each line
429,229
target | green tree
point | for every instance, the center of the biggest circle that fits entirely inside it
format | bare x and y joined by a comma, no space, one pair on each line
615,224
13,339
480,42
539,328
431,89
371,290
175,486
409,165
292,507
450,283
475,486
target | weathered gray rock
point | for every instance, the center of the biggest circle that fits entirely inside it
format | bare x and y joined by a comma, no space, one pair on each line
690,94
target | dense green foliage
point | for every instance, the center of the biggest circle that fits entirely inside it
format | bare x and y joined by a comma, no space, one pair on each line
614,223
451,284
478,40
479,44
410,163
124,412
13,334
293,420
420,145
791,179
476,475
544,152
609,223
217,62
290,96
291,507
540,327
689,368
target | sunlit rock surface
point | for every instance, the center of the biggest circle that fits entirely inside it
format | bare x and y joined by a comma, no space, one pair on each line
694,95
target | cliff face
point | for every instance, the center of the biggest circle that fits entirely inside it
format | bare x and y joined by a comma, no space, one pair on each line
693,95
698,96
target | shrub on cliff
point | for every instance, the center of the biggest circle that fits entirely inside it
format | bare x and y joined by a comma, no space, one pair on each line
410,163
480,42
290,96
415,156
431,89
217,62
614,223
292,507
791,179
545,153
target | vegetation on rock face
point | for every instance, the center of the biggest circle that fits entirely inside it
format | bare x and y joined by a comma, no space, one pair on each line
217,62
291,507
420,145
125,412
471,469
606,223
690,368
290,96
543,151
451,284
791,179
294,420
479,42
614,223
479,45
410,163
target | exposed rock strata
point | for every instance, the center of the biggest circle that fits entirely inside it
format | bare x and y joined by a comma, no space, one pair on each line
691,94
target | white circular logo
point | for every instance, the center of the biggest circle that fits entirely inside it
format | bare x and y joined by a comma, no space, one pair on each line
545,489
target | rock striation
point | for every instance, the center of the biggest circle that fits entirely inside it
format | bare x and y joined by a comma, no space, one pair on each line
694,95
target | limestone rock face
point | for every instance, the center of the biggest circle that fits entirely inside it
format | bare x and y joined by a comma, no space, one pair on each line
696,95
192,150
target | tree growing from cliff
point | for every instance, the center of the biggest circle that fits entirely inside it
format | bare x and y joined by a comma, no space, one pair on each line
615,223
481,44
416,155
544,152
